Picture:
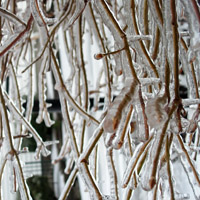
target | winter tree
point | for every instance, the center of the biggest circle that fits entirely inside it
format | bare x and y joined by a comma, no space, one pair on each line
142,142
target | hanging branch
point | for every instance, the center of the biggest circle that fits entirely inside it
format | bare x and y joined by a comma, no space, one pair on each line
167,157
137,45
176,48
151,63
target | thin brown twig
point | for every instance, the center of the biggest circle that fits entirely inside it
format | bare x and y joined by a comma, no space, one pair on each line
152,180
176,48
146,24
124,131
28,27
144,114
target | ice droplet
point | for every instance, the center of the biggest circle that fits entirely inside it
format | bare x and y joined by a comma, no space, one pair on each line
155,112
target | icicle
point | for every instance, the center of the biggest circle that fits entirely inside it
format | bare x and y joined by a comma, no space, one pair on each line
41,148
43,112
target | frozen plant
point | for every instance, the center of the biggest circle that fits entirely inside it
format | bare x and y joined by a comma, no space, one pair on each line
134,54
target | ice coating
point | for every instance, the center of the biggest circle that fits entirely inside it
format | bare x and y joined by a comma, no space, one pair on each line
115,111
134,39
155,111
